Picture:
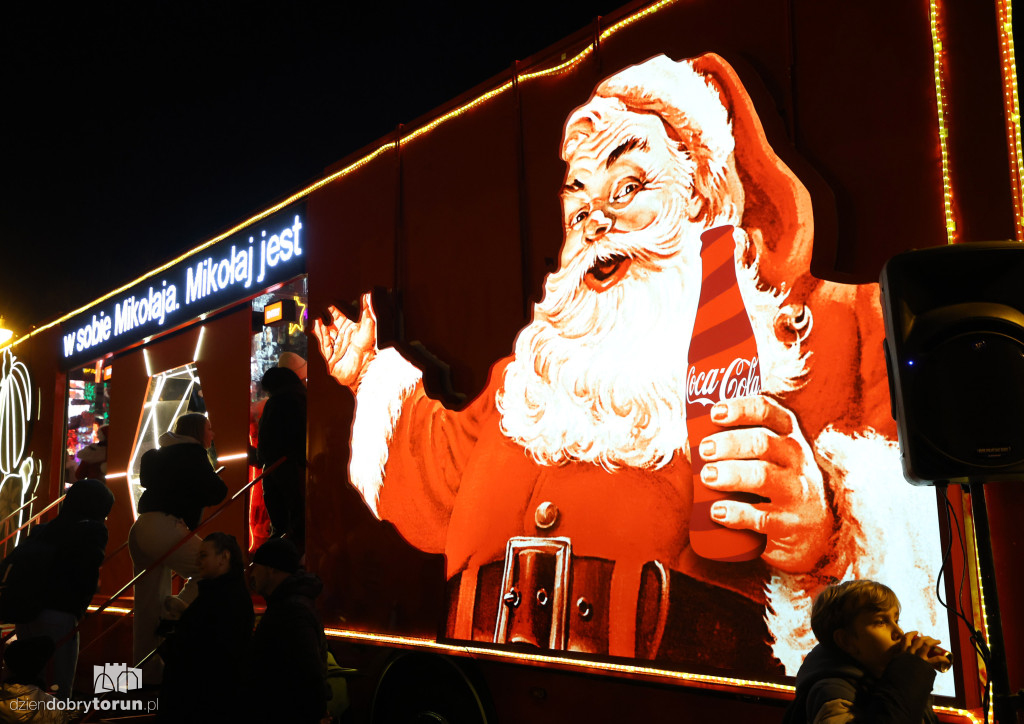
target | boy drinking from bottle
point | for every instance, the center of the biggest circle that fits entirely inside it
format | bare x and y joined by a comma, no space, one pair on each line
865,668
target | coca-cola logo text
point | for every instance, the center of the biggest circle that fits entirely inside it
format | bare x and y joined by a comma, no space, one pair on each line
740,379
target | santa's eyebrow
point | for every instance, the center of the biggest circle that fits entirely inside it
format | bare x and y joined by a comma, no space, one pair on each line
628,145
572,188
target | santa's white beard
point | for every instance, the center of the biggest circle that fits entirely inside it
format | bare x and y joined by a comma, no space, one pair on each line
600,377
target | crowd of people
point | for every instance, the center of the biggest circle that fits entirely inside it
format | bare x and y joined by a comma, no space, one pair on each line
201,647
218,667
217,663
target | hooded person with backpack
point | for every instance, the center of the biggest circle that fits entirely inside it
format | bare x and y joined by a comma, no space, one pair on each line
50,578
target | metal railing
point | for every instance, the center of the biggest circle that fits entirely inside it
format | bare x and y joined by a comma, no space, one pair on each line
158,563
146,571
6,522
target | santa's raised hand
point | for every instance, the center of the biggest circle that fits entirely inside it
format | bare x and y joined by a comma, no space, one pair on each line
348,347
766,453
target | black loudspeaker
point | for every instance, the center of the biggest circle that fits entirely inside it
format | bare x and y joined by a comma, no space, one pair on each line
954,349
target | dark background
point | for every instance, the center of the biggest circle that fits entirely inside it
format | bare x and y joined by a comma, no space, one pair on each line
131,132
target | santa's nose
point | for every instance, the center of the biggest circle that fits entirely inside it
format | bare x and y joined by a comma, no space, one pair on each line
598,224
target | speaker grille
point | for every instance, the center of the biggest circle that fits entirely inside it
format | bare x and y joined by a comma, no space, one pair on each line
968,391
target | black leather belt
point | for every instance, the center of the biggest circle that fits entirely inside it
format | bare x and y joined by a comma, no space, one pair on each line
544,597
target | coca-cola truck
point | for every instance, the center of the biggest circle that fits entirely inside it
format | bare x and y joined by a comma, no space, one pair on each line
505,312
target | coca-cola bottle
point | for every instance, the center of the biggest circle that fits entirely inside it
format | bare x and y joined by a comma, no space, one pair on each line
723,364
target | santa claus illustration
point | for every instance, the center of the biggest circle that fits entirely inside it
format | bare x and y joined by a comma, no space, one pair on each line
563,496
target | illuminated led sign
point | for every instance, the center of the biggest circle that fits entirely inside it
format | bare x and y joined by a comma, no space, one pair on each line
272,313
234,269
280,312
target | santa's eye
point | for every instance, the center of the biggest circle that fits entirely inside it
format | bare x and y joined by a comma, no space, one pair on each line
578,217
626,190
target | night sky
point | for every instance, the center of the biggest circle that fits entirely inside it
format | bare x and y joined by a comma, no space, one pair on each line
134,131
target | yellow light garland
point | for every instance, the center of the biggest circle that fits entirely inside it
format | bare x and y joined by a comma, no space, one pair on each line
708,680
1011,103
939,70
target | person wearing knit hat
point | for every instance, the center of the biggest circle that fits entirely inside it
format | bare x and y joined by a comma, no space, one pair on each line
286,678
279,554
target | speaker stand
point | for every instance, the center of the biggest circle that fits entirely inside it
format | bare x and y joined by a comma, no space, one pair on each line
1003,703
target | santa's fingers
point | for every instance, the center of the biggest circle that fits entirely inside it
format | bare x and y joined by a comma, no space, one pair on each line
745,516
366,329
366,310
785,486
739,476
754,443
758,410
335,313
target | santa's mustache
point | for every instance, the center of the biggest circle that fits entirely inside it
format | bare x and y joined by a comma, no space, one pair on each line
649,251
653,248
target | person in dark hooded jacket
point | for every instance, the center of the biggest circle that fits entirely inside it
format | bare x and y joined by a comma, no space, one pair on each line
79,537
204,654
286,679
865,668
282,433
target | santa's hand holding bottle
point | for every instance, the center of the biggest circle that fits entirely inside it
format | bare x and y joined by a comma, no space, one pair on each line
758,490
762,451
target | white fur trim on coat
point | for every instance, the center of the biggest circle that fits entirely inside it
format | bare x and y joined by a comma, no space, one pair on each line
387,383
888,532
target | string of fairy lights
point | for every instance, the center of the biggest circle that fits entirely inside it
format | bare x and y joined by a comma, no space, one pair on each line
1011,102
941,110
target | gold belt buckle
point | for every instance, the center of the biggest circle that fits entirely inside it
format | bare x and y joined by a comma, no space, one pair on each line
534,592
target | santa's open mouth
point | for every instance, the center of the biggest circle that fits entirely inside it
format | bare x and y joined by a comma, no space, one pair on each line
606,273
